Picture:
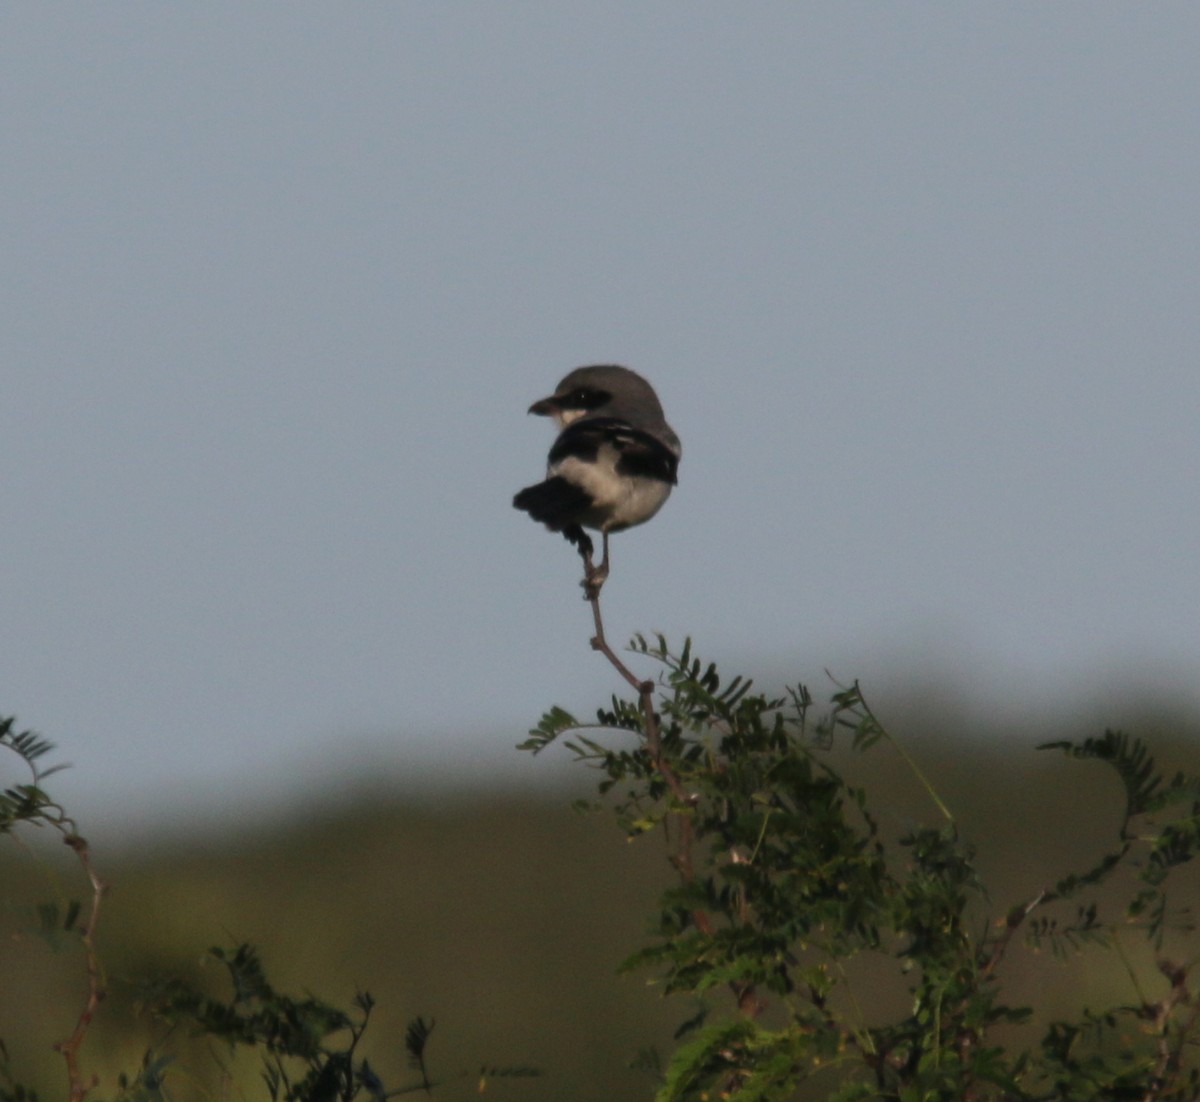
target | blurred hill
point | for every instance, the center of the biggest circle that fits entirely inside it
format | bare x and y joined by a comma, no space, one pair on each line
505,917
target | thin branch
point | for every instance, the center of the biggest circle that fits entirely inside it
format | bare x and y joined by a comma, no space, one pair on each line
746,995
1013,921
645,690
97,990
971,1035
1127,964
1167,1064
899,748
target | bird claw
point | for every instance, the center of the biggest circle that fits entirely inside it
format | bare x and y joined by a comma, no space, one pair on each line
593,578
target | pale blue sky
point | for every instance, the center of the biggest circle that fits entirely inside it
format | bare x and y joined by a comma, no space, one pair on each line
917,284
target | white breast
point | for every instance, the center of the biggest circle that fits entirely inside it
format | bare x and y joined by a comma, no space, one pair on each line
621,501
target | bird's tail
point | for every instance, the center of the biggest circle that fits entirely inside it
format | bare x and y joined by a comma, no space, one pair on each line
556,502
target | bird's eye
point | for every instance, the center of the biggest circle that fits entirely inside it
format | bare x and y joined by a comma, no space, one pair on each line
586,397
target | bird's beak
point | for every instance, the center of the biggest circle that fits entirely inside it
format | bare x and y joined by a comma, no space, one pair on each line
545,406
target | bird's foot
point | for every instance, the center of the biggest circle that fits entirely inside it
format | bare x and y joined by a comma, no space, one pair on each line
593,578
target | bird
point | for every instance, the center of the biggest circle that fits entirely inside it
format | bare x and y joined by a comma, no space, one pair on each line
612,465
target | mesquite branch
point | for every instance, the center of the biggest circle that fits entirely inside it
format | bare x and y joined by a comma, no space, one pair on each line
747,999
78,1088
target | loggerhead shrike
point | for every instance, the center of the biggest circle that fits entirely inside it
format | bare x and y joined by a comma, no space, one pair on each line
612,466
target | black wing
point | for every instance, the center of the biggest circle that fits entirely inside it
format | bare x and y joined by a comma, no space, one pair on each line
640,453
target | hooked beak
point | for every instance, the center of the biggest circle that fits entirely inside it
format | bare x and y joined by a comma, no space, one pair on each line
545,406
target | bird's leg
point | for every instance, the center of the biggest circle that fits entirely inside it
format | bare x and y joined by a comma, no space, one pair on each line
572,533
602,569
594,576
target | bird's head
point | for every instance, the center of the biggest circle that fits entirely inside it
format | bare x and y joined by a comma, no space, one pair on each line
603,388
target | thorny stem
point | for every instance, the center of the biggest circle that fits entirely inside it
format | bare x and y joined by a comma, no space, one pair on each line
96,987
683,857
1167,1064
969,1036
1012,923
748,1000
645,690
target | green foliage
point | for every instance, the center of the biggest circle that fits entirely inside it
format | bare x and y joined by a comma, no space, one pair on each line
27,803
784,879
821,954
309,1048
10,1089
